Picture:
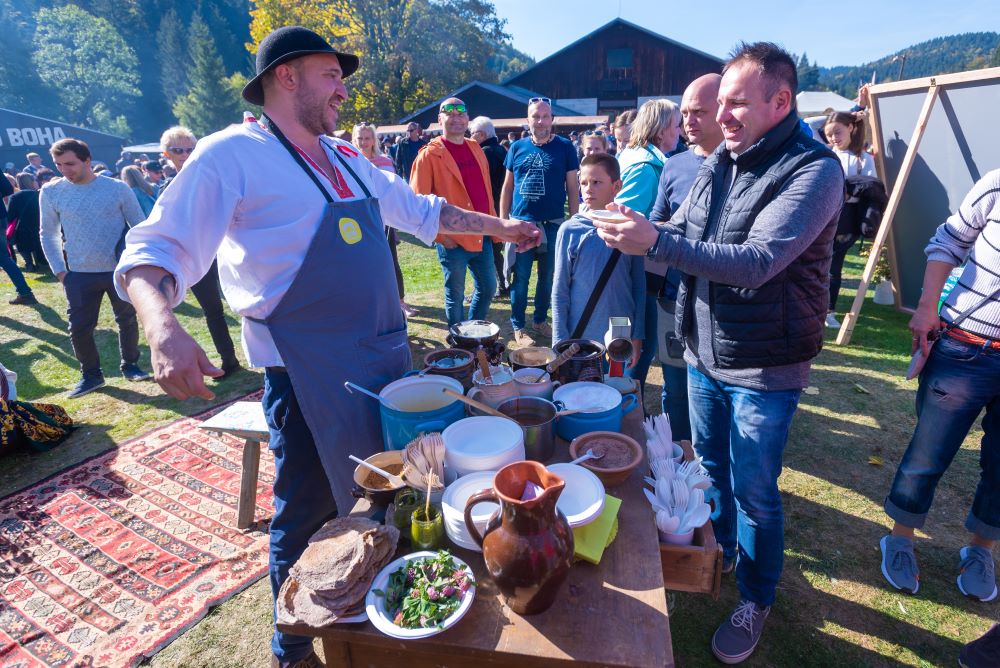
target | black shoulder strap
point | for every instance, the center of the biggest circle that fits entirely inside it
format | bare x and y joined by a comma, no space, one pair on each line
588,310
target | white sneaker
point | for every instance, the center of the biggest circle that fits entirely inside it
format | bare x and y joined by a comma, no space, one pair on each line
832,322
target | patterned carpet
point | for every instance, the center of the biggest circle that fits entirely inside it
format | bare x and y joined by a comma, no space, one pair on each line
109,561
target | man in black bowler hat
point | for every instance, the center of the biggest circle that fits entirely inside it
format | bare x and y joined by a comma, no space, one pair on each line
295,218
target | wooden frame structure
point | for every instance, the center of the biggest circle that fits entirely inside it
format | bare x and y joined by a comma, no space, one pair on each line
933,86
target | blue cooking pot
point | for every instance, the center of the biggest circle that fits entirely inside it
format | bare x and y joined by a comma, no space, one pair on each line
423,408
587,395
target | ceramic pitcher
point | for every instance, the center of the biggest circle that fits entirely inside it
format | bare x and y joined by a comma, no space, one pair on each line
527,544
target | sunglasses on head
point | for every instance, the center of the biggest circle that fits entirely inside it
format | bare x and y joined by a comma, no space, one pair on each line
452,108
180,150
594,133
546,100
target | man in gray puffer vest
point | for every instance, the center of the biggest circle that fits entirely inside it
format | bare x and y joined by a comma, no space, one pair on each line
754,241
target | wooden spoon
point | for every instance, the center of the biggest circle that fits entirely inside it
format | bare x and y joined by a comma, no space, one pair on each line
476,404
570,411
484,366
394,480
558,361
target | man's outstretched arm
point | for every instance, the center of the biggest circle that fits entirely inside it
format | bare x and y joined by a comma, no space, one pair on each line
179,363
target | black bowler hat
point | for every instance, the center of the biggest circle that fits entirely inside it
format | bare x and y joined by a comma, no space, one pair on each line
286,44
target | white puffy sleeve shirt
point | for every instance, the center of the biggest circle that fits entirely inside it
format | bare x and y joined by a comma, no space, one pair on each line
243,198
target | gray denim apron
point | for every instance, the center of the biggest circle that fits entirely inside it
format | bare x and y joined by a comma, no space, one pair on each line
341,320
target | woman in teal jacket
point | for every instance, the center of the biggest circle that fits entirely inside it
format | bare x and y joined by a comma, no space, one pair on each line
655,132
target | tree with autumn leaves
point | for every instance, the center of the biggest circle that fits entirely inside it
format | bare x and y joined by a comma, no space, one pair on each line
412,51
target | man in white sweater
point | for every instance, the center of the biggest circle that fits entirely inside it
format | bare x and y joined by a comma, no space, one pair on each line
84,218
960,378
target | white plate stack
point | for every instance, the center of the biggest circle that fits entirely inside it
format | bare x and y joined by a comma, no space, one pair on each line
484,443
453,508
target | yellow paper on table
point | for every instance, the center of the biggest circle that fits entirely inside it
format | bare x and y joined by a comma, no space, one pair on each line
590,540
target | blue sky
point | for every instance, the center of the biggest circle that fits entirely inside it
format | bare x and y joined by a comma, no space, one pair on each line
832,33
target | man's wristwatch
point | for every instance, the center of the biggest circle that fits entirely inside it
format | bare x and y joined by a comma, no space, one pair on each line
651,252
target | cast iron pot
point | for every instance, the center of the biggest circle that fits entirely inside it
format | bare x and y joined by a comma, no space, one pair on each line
588,364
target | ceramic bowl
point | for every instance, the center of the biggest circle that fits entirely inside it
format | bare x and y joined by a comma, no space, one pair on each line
609,476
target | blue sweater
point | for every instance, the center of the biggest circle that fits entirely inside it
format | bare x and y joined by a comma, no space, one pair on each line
580,259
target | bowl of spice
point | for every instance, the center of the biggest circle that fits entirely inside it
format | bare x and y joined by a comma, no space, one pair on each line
372,486
617,455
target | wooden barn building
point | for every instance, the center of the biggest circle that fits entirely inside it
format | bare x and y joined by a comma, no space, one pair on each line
616,67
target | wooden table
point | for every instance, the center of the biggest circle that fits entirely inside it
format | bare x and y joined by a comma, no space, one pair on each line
244,419
612,614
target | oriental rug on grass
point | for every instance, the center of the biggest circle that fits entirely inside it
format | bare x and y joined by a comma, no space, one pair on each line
109,561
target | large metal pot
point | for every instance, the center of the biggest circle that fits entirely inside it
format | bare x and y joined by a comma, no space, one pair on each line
537,418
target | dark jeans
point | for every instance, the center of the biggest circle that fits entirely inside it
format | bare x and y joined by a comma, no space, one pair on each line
522,277
957,383
454,263
85,293
674,400
209,297
650,345
498,265
8,264
393,238
303,501
30,248
742,434
841,245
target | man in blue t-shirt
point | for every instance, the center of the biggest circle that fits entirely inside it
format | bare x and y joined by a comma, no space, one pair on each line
541,177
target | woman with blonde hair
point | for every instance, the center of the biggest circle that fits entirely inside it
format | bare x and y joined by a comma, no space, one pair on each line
652,137
133,178
178,144
363,136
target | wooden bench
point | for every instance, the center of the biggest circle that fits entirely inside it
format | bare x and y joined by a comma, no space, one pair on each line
244,419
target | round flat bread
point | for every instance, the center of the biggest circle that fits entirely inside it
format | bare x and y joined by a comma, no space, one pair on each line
329,562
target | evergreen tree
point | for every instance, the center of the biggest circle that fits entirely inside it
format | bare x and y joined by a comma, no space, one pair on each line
173,55
808,74
995,58
210,103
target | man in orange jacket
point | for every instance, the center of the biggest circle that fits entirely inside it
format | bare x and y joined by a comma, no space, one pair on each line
455,168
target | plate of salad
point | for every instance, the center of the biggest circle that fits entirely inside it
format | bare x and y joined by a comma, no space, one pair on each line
420,595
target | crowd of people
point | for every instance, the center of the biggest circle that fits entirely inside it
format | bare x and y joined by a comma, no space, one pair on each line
718,226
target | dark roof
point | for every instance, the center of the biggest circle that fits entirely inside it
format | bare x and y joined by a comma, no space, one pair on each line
610,24
515,93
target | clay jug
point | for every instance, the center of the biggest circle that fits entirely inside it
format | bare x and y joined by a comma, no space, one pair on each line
527,545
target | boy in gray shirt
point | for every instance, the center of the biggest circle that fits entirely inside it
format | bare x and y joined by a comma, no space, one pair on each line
580,259
84,218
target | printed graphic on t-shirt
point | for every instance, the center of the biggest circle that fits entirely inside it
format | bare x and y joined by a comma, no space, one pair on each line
533,170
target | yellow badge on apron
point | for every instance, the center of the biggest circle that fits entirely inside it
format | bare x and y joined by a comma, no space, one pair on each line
350,231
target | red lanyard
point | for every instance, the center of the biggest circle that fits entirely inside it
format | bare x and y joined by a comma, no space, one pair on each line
338,181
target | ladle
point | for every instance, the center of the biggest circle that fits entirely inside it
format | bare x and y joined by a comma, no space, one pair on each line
385,402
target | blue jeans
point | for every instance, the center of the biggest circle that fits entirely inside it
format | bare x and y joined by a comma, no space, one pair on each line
454,262
674,401
303,501
742,433
957,383
649,344
522,276
8,264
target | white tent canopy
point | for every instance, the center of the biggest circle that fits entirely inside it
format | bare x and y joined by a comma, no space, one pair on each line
811,102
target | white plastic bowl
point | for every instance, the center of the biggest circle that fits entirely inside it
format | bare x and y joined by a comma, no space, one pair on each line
453,507
483,443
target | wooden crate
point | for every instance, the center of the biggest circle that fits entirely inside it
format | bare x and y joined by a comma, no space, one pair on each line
697,567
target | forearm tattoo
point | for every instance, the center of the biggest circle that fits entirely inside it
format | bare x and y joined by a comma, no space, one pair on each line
454,219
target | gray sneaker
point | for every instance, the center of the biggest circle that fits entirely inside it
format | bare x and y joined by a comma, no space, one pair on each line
899,564
975,573
736,639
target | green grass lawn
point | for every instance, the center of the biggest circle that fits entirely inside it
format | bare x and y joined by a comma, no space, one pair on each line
833,608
